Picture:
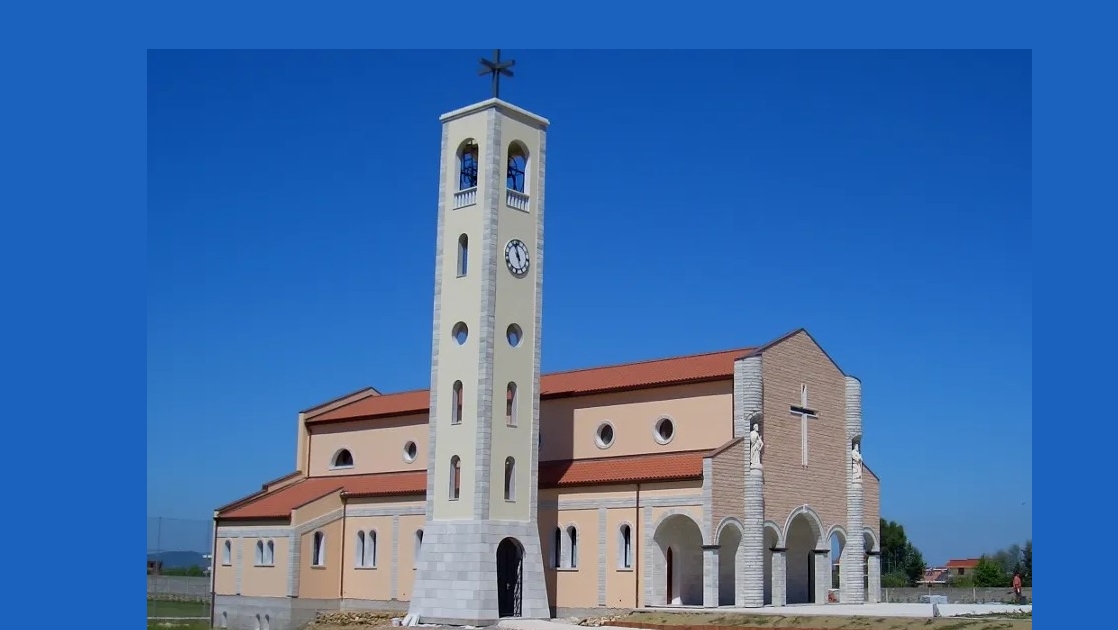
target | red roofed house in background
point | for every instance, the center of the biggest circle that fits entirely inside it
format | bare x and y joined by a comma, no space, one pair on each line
959,568
703,480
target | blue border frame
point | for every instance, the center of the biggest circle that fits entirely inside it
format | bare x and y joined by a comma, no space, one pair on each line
73,186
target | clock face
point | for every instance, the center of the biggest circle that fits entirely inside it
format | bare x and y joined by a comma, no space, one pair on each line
516,257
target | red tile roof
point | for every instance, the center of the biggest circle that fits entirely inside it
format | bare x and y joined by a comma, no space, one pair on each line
632,469
558,474
279,504
655,373
968,563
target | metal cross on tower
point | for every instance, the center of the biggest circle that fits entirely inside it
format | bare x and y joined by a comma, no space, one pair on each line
496,68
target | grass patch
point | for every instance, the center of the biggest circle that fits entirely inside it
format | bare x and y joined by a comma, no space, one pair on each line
178,624
165,608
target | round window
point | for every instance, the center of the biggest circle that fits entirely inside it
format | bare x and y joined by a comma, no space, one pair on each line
665,430
604,436
514,335
410,451
460,332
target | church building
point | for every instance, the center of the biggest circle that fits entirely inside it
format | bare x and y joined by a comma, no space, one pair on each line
714,479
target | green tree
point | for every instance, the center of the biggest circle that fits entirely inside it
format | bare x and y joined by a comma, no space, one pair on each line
990,573
914,564
894,580
898,554
1027,563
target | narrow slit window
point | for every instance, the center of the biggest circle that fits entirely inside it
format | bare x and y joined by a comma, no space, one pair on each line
510,405
456,412
510,479
455,477
463,254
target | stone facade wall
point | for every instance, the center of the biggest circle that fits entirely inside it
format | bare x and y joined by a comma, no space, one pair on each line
822,484
728,485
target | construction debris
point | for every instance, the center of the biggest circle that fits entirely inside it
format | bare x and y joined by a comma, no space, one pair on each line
353,618
594,622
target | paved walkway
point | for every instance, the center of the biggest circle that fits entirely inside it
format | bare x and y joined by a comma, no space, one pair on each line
836,610
867,610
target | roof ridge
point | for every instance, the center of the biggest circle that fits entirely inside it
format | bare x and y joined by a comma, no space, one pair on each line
607,366
643,361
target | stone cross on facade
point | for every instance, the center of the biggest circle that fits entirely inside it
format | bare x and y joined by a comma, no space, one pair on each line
805,413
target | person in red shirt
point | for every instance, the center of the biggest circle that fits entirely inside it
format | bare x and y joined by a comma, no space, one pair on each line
1017,586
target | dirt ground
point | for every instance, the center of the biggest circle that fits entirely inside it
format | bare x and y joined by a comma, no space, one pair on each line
1004,622
382,621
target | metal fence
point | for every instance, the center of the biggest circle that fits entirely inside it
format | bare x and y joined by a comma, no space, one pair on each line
179,562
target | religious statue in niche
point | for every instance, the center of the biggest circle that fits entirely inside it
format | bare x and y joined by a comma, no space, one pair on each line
755,446
856,463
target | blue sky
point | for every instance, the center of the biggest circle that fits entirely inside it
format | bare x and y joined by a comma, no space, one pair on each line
879,199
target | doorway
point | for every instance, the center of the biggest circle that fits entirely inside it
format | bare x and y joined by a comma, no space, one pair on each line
510,569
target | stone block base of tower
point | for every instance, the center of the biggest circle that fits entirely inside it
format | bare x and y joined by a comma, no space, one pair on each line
474,573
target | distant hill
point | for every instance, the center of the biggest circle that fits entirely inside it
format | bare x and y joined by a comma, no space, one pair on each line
179,559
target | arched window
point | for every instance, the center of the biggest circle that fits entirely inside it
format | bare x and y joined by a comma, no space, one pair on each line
455,478
510,479
572,538
510,405
270,553
517,167
625,546
318,550
227,553
463,254
418,543
359,550
343,459
456,407
259,552
371,549
557,548
467,165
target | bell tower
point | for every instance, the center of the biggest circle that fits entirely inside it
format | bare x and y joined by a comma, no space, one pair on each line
480,557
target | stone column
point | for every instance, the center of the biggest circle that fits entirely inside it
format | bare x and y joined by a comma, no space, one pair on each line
780,577
852,583
750,583
751,590
710,576
873,571
822,574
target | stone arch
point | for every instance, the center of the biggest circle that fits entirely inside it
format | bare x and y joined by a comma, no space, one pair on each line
869,536
812,516
676,560
838,553
729,538
803,535
772,538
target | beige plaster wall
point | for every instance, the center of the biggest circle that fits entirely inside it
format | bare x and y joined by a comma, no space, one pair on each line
264,581
702,415
377,445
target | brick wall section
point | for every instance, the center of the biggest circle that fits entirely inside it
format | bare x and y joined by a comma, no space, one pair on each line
788,485
728,487
871,487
